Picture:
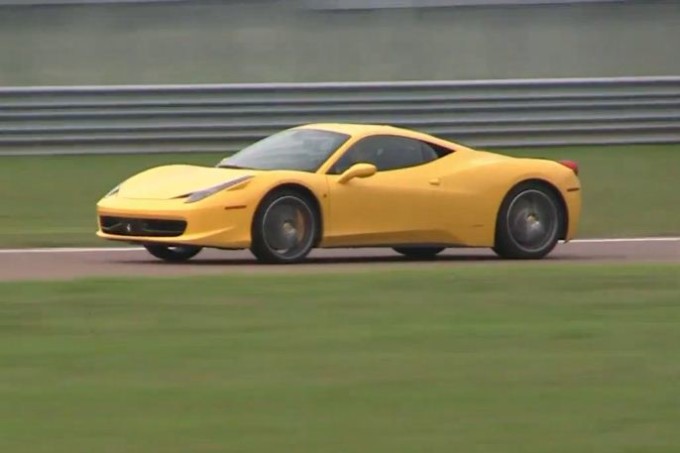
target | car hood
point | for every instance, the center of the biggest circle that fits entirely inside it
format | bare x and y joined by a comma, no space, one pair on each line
172,181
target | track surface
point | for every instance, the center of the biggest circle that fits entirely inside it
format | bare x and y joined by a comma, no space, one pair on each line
47,264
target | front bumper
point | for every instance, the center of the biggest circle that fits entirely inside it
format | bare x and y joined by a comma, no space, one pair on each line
205,224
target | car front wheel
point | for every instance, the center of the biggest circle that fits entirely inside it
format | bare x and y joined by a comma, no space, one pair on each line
284,228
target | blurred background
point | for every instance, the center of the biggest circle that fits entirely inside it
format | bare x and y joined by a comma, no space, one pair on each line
578,353
91,42
112,87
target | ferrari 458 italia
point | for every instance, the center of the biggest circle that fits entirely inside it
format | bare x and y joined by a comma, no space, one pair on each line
348,185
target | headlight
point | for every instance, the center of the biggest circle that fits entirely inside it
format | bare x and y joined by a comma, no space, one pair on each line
205,193
113,191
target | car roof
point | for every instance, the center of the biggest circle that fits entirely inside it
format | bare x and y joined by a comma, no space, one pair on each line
362,130
349,128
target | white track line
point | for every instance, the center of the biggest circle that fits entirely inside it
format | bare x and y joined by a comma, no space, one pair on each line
71,250
614,240
137,249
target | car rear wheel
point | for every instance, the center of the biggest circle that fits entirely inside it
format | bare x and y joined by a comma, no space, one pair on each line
420,253
173,254
284,228
528,223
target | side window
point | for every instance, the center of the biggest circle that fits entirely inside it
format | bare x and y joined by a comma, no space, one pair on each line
386,153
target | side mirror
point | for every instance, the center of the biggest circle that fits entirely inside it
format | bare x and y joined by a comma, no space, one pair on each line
357,171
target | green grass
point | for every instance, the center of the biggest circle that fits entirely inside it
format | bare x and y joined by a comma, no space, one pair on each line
525,359
50,200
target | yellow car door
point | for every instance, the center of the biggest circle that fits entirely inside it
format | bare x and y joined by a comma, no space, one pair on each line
395,205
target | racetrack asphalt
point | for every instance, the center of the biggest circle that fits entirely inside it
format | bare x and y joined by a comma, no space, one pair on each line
59,264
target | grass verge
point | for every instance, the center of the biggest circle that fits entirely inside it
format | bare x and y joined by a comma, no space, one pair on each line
49,201
525,359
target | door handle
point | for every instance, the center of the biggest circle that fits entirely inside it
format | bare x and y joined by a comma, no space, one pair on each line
434,181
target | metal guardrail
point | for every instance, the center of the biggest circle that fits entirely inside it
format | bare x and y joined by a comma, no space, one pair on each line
224,118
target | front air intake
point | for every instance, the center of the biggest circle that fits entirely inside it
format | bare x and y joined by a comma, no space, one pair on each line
126,226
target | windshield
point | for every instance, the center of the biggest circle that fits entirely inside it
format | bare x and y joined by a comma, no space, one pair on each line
292,149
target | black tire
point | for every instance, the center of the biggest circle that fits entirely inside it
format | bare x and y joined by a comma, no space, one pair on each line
173,254
419,253
285,228
529,222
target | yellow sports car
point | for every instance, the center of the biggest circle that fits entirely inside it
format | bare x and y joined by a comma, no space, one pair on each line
348,185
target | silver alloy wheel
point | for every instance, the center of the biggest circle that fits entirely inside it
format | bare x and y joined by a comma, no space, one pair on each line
288,227
532,220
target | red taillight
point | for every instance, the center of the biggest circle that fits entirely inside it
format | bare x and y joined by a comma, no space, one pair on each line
570,164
